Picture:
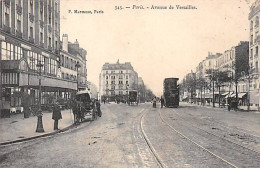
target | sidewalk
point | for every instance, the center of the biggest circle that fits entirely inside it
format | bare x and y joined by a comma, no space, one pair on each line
17,128
240,108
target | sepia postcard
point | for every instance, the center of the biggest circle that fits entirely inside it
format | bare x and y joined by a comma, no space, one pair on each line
129,84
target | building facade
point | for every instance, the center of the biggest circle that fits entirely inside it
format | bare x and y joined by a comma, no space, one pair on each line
30,51
254,42
115,80
73,63
234,62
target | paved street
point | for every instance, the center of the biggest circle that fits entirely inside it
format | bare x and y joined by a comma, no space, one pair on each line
141,136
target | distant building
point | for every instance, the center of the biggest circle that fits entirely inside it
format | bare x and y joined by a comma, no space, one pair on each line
115,80
73,63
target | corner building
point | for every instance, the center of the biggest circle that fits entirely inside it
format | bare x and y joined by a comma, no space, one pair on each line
30,35
115,80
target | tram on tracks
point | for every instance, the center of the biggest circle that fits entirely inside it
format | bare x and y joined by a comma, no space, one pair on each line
171,92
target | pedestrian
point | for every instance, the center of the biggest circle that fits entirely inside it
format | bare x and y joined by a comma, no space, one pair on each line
154,102
75,111
229,103
56,115
98,108
162,102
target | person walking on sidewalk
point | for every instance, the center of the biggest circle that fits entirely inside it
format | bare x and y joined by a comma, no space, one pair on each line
56,115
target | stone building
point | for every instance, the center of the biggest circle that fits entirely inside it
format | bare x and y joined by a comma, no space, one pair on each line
115,80
254,42
30,45
73,63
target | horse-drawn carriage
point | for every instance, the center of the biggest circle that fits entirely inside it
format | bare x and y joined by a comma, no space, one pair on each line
84,106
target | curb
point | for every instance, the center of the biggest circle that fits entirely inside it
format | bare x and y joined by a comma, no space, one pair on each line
240,110
39,136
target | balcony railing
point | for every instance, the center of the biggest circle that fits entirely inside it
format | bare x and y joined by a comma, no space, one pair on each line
7,29
31,17
19,9
31,39
19,34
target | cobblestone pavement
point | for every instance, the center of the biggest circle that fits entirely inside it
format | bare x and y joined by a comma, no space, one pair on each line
205,137
114,140
142,136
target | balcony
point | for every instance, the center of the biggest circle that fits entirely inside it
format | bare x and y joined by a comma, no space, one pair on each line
19,9
31,17
7,29
41,23
19,34
31,39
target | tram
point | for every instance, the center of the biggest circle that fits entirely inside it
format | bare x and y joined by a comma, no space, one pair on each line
171,92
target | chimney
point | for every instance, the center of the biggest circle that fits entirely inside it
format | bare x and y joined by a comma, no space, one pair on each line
65,42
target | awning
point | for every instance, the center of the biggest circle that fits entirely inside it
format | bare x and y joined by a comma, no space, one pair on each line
240,95
224,94
230,95
233,95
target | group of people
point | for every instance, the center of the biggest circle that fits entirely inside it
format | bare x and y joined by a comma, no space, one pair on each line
155,100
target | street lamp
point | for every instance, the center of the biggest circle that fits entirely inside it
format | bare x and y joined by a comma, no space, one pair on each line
77,66
39,114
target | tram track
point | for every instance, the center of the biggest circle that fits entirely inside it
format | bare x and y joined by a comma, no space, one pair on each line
241,155
220,136
149,144
195,143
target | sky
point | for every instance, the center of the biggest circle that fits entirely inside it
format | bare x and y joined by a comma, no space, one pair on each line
158,43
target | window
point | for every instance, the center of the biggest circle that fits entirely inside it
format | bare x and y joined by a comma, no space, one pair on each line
46,62
6,19
106,77
19,25
256,66
256,21
251,25
251,53
18,53
106,82
112,92
49,41
256,51
126,76
41,37
126,82
251,40
31,32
